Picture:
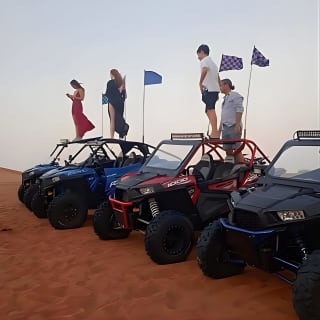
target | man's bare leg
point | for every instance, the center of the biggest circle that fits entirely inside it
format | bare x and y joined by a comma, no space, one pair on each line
211,114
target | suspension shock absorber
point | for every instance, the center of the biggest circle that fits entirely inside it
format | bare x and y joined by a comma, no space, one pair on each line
154,208
303,248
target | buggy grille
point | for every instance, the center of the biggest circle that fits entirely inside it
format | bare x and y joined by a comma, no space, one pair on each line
121,195
251,220
247,220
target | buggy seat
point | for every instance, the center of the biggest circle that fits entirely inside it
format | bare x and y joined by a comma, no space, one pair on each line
203,170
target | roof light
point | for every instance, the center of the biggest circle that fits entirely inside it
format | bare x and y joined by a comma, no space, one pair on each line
177,136
308,134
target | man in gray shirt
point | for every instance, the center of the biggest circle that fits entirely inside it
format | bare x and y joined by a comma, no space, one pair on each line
209,87
231,115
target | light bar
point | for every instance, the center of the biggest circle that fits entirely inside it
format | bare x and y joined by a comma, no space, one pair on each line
64,141
308,134
177,136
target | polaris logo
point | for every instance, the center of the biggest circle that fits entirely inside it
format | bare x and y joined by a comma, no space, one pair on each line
177,182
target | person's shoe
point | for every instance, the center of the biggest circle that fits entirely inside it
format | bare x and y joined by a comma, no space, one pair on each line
125,129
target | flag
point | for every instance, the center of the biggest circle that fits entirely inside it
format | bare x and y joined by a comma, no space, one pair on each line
230,63
104,99
258,58
151,77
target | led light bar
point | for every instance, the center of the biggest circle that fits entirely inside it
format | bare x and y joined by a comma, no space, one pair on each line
64,141
308,134
177,136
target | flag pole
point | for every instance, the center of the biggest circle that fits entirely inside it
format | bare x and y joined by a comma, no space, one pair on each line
144,91
124,103
246,111
125,116
102,118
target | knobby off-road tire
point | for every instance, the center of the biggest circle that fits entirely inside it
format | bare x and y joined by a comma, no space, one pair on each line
38,206
29,194
67,211
104,223
21,192
169,237
212,255
306,288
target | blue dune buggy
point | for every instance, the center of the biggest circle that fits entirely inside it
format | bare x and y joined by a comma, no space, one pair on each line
30,177
66,194
274,226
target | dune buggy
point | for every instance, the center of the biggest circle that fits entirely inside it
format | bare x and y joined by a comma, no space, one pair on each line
66,194
30,177
184,184
274,226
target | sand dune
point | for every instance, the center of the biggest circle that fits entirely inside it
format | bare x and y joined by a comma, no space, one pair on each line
71,274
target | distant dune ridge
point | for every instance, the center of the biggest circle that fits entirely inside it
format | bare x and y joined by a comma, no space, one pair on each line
52,274
10,170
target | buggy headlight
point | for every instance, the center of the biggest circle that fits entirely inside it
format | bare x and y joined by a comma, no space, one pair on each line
290,215
146,190
55,179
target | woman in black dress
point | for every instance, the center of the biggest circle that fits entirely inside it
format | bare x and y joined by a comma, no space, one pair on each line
116,94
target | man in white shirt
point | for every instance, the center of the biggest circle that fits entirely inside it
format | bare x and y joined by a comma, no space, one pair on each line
231,118
209,86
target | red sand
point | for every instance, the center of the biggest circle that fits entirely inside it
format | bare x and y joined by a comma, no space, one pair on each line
71,274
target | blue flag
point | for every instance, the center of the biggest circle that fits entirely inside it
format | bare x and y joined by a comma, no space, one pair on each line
258,58
104,99
230,63
151,77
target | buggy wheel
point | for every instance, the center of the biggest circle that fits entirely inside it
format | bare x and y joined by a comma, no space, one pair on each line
21,192
306,288
67,211
212,254
38,206
104,223
28,195
169,237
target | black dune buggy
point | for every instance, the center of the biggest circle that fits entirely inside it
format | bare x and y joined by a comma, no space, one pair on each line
274,226
30,177
66,194
185,184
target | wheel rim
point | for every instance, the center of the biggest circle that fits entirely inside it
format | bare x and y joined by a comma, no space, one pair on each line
69,214
174,241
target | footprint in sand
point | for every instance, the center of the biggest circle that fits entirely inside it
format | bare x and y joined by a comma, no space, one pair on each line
5,229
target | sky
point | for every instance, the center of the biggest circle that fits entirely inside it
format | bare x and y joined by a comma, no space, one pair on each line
46,43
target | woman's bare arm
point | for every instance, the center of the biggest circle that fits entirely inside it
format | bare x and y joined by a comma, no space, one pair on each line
77,96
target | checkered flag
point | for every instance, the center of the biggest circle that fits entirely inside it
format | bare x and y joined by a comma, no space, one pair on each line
104,99
230,63
258,58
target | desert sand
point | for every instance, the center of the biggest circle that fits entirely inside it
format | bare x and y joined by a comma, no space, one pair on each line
71,274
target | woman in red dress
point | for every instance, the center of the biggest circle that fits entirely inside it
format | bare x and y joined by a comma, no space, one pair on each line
81,122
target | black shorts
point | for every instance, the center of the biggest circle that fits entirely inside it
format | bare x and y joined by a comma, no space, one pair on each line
210,98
